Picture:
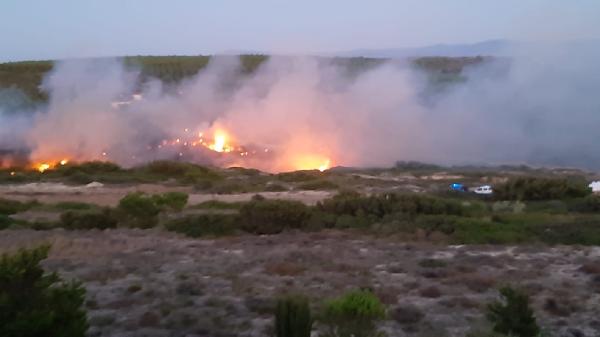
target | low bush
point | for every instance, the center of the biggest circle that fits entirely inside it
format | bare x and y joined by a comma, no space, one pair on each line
273,216
299,176
550,206
8,207
34,303
319,220
203,225
348,221
40,225
318,185
249,172
437,223
589,204
89,168
275,188
102,219
217,204
186,172
138,210
474,231
174,201
352,203
535,188
87,172
513,316
353,314
584,231
230,187
5,221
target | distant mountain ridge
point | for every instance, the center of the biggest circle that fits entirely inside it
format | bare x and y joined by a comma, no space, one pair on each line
498,47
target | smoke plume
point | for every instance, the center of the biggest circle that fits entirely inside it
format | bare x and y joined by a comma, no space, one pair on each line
301,112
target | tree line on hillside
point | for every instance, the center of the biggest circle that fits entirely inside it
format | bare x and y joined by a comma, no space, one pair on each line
26,77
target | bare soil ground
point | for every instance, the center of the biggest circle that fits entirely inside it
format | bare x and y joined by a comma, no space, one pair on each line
154,283
109,195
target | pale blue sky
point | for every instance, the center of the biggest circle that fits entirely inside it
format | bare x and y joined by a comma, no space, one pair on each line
42,29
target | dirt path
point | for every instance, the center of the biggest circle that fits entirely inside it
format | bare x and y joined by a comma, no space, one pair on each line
110,195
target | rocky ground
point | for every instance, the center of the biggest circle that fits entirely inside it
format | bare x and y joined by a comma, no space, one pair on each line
153,283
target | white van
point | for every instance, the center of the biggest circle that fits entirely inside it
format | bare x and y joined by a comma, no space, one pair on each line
595,186
485,189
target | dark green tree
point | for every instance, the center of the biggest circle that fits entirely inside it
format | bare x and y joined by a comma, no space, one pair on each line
513,316
292,317
34,303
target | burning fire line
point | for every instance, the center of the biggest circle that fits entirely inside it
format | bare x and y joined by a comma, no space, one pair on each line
220,143
43,167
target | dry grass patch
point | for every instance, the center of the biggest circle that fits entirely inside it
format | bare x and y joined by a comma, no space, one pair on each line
592,268
430,292
475,282
284,269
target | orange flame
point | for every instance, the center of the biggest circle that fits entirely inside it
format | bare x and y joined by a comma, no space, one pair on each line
309,162
220,142
324,166
43,167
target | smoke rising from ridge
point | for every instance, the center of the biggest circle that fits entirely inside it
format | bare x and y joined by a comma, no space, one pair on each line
542,109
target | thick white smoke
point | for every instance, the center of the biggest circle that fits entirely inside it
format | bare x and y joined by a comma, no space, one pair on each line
541,109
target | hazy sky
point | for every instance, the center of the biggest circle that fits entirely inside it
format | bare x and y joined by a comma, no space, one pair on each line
42,29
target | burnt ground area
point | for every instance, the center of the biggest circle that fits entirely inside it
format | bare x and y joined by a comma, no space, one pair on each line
155,283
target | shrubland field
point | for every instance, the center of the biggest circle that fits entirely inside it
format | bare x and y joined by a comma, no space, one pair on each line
177,249
23,79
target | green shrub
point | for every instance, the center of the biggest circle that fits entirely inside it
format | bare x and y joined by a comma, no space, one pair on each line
319,220
229,187
33,303
41,225
90,168
589,204
80,178
549,206
88,220
273,216
292,317
299,176
353,314
318,185
580,231
8,207
245,171
139,210
217,204
513,316
349,221
378,206
474,231
186,172
275,188
203,225
437,223
5,221
534,188
175,201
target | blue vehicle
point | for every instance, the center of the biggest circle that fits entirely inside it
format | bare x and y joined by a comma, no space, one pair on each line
458,187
